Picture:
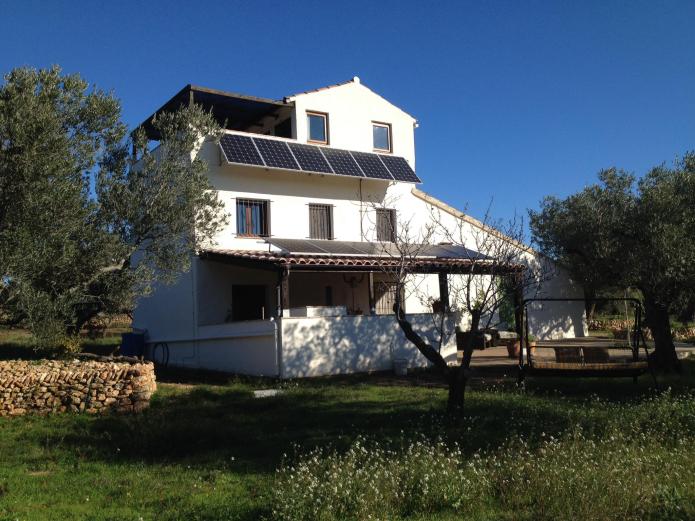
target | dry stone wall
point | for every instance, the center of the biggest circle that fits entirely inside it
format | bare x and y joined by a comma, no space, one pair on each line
93,386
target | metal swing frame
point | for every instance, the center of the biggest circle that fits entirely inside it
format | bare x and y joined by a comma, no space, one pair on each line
632,369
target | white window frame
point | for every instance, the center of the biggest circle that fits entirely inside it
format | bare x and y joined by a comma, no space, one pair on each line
388,128
323,115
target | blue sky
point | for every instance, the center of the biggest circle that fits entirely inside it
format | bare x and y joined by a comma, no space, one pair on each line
515,99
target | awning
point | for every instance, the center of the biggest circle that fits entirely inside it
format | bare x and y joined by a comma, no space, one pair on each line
322,255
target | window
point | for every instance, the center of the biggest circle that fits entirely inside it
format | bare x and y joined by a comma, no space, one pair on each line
248,302
385,297
252,218
385,225
321,221
318,127
381,134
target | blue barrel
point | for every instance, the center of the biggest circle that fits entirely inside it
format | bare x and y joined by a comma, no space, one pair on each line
132,344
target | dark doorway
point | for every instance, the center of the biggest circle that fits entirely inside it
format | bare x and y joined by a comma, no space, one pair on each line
248,302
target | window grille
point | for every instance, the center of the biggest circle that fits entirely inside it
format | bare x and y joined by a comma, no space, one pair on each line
320,221
252,218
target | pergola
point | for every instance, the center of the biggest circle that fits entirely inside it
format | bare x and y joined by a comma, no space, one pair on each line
285,257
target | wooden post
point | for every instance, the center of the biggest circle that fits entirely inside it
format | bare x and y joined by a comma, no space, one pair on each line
444,291
285,287
283,292
372,303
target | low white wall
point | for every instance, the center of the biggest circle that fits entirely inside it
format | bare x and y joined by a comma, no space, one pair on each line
238,347
339,345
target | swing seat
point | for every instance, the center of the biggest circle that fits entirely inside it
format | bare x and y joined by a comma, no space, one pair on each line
578,357
592,367
586,361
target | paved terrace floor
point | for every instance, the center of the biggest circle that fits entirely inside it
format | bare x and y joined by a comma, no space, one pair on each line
495,360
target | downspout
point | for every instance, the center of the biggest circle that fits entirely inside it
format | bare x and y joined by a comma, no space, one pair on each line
361,213
277,324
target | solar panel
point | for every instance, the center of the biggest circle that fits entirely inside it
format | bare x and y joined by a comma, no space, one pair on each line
340,247
310,158
240,149
342,162
276,154
296,246
400,169
453,251
371,166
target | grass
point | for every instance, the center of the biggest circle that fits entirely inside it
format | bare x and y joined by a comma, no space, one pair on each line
209,451
16,343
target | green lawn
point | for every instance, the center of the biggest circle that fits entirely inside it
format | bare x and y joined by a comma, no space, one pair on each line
208,452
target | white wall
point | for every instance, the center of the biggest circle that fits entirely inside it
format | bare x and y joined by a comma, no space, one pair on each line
169,311
341,345
351,108
240,348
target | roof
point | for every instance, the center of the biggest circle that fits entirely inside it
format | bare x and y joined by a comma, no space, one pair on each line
470,220
355,80
238,111
355,256
234,111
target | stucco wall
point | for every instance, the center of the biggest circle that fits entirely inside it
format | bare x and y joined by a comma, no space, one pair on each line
351,108
240,347
341,345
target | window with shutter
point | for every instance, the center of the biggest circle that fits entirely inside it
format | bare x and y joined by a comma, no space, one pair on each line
321,221
386,225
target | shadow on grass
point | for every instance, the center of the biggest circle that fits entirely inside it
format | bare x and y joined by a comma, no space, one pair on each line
213,426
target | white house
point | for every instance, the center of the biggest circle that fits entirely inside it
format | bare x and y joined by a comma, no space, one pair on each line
295,285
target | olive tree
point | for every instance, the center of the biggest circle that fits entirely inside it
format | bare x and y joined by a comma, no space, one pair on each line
623,232
86,225
492,268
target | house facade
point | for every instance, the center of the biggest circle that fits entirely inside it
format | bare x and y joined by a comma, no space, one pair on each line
318,188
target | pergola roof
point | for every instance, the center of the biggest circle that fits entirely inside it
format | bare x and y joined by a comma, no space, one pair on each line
277,260
236,111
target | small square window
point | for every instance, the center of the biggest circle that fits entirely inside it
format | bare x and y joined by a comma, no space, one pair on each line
318,127
381,134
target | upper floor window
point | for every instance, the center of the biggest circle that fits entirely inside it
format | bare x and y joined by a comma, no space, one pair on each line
317,123
321,221
381,135
386,225
252,218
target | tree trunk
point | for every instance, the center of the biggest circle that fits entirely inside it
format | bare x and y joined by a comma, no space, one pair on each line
657,318
458,379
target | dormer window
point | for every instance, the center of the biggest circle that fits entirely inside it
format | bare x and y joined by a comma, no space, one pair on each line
317,123
381,133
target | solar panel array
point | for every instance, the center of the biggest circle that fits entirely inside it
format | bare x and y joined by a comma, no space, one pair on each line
274,153
240,149
318,246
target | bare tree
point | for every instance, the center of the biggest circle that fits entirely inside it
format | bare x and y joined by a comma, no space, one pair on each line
492,266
